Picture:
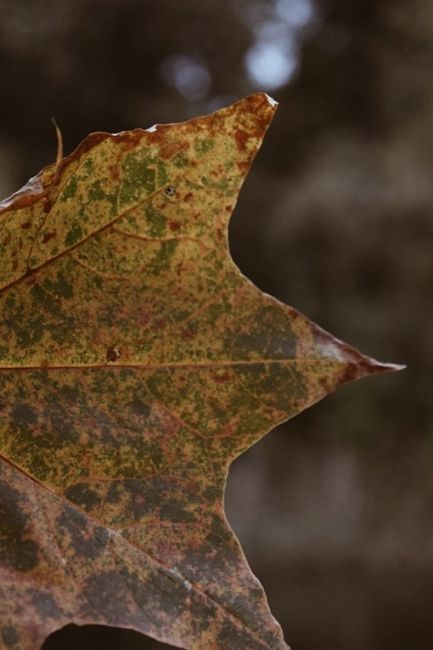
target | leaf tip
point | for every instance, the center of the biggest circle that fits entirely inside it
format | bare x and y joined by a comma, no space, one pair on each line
260,105
356,365
273,102
361,366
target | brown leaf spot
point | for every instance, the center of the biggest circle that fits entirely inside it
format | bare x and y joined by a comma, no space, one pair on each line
98,592
173,225
114,170
160,323
85,542
45,605
17,549
221,378
47,205
241,139
47,237
243,167
143,315
83,496
10,636
188,335
23,415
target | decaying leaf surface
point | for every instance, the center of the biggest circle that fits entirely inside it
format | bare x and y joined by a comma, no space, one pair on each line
136,362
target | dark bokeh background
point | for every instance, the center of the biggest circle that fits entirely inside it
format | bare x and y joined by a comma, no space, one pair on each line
334,509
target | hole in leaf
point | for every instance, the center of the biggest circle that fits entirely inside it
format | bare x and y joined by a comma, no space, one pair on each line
112,354
170,190
100,637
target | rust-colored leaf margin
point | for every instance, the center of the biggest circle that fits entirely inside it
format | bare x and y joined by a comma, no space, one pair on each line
136,362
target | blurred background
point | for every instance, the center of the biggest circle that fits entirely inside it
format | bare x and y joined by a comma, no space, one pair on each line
334,509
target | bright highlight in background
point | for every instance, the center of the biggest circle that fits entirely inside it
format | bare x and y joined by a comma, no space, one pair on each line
188,75
269,65
296,13
272,61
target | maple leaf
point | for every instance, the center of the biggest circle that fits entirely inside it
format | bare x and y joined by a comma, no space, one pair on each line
136,362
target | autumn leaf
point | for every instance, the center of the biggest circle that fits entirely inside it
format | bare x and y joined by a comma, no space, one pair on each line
136,362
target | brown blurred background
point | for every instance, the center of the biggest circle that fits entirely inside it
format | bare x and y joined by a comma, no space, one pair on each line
334,509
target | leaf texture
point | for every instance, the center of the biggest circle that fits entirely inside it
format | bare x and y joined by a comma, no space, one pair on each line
136,362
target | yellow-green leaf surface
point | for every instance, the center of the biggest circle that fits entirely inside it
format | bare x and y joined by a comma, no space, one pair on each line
136,362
